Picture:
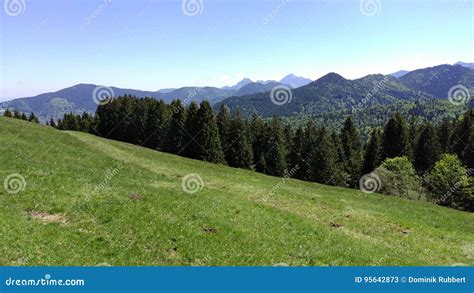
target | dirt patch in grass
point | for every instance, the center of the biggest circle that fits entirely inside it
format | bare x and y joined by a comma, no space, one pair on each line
47,218
210,229
335,225
135,196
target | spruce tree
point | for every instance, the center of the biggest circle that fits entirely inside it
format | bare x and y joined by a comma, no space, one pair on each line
175,136
8,113
239,151
462,134
323,159
208,138
444,132
373,152
395,138
223,124
276,154
16,114
351,148
309,143
427,151
192,149
259,143
296,157
52,123
23,117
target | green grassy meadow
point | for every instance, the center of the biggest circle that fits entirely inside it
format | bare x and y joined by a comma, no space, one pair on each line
92,201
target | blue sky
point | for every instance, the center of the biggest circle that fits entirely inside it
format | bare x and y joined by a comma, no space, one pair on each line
153,44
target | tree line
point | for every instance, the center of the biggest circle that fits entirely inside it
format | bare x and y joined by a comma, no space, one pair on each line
413,159
18,115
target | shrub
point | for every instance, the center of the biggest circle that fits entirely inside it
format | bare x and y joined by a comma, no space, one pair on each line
449,184
398,177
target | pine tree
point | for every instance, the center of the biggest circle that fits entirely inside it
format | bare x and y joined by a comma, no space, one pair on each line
444,132
259,143
462,134
427,151
16,114
223,124
8,113
309,143
239,151
296,157
373,152
323,159
208,138
395,138
23,117
174,142
192,149
33,118
275,156
351,148
52,123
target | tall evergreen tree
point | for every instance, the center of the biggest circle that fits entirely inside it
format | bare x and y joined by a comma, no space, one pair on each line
8,113
23,117
296,157
238,152
462,134
427,151
444,132
373,152
223,124
192,149
351,147
52,123
176,135
276,154
323,159
16,114
259,143
395,138
208,138
309,143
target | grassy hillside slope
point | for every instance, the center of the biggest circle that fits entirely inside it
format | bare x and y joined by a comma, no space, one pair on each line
91,201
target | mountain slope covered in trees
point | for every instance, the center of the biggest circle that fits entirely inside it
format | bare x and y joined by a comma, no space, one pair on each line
92,201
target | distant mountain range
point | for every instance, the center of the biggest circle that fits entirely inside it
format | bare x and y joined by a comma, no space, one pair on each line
78,98
422,92
329,93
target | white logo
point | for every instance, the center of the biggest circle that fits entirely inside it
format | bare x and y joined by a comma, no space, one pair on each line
192,7
459,95
370,183
370,7
14,7
102,95
14,183
281,94
192,183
